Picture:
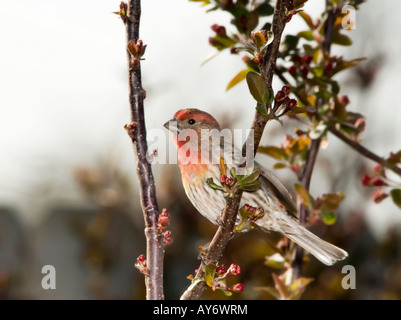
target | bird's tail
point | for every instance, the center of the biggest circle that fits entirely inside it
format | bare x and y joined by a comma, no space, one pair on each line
322,250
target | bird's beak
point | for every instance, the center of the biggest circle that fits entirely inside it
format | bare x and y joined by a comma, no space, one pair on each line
172,126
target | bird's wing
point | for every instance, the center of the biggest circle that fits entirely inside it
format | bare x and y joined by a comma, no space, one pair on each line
270,182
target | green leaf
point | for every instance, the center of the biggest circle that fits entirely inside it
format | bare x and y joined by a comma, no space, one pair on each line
299,3
307,19
303,195
213,184
251,177
250,187
289,44
264,9
298,110
394,158
341,39
279,165
274,152
257,87
233,172
261,109
227,293
396,197
210,271
308,35
238,78
329,201
226,41
346,64
328,218
275,261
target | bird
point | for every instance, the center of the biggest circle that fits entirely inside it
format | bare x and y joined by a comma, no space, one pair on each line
198,160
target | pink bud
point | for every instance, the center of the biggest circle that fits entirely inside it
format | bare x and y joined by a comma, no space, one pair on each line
223,178
167,237
329,67
304,71
344,99
220,30
234,269
377,182
280,96
360,124
257,214
366,180
307,59
220,270
164,218
292,103
379,195
293,71
239,287
379,170
286,90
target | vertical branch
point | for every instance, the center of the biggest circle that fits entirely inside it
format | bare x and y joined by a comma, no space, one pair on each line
268,65
226,230
306,175
137,132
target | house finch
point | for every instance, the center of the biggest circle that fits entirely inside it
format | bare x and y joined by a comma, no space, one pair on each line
198,159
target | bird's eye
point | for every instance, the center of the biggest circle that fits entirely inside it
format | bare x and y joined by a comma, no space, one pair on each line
191,121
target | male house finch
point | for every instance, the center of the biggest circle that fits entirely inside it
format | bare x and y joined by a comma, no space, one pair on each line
281,212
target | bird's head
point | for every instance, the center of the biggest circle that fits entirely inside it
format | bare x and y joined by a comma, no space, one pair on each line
191,119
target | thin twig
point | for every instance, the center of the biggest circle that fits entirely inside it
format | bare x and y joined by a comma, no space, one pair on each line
226,230
155,246
352,143
311,157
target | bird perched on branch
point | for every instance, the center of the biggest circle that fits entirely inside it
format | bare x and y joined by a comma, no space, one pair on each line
199,159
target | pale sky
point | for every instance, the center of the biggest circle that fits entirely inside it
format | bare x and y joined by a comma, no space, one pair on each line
64,102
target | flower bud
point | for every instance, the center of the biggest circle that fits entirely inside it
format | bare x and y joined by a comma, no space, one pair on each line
223,179
366,180
220,30
141,264
379,195
234,270
378,182
164,218
280,96
293,71
307,59
239,287
379,170
286,90
220,271
304,71
167,238
233,50
292,104
360,124
344,100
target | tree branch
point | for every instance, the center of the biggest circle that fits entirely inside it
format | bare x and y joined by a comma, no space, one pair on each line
311,157
352,143
155,246
226,230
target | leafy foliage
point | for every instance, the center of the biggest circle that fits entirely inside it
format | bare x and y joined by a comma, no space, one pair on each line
309,73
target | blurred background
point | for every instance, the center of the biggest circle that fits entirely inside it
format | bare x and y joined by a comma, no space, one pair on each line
68,184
